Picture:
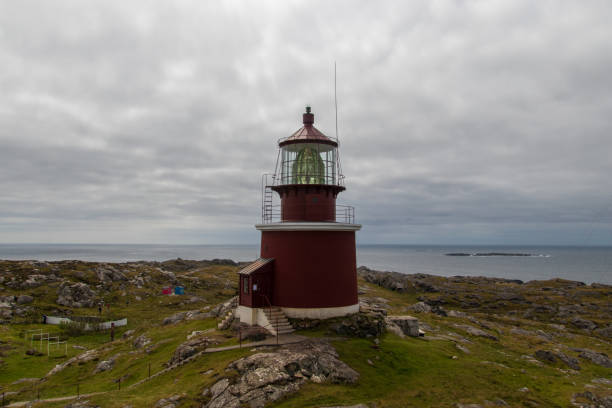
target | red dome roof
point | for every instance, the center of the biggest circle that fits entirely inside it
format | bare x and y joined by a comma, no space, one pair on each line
308,133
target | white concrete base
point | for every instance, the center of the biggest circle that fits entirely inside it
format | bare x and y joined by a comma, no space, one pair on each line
251,316
319,312
256,316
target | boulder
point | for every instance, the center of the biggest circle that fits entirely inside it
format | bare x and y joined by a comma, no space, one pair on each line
170,402
188,349
188,315
219,387
108,274
104,365
81,358
551,357
139,282
584,324
24,299
167,275
267,377
408,324
141,341
458,313
473,331
81,404
75,295
604,332
594,357
33,281
175,318
128,333
596,400
222,308
420,307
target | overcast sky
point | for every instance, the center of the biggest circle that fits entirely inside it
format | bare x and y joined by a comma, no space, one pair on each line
460,121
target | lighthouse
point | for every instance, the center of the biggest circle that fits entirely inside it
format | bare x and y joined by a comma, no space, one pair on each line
307,263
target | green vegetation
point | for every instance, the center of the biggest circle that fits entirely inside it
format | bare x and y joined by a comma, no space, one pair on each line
397,372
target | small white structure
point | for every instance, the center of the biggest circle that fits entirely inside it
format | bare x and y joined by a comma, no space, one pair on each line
88,325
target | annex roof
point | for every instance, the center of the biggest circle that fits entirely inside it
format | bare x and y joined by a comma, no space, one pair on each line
255,266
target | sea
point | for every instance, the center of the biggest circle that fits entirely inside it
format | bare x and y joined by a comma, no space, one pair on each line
584,264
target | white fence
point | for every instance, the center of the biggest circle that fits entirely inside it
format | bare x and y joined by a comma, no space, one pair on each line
87,326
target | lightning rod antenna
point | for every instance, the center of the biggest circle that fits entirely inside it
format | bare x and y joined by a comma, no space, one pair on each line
336,102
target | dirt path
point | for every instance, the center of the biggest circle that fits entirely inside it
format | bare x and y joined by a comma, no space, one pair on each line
284,339
56,399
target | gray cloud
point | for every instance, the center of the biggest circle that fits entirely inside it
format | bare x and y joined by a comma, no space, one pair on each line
460,122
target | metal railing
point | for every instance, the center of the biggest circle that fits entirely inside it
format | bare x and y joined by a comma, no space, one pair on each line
271,210
344,214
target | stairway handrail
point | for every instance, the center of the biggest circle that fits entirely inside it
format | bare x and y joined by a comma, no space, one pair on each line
270,311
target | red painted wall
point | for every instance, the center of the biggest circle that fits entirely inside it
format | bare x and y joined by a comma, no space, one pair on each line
312,268
307,202
263,279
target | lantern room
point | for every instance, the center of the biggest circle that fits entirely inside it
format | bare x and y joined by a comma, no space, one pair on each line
308,156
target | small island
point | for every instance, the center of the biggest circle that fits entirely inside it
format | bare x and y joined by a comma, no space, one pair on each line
488,254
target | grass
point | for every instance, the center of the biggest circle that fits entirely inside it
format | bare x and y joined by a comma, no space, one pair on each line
408,372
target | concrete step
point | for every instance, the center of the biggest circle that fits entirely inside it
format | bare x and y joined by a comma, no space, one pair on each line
278,321
287,331
279,318
275,315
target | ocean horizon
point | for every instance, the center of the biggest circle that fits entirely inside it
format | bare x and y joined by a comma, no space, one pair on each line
586,264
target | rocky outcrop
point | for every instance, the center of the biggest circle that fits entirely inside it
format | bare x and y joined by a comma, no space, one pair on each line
604,332
473,331
36,280
420,307
75,295
188,349
548,356
108,274
408,325
81,358
583,323
267,377
595,357
594,400
222,308
81,404
390,280
188,315
168,275
141,341
170,402
24,299
104,365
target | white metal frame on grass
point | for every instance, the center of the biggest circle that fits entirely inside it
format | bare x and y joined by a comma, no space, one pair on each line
57,342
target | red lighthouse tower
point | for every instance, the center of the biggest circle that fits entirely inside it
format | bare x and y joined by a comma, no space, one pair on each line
307,267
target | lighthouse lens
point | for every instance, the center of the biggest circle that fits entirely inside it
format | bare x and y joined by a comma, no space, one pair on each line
308,167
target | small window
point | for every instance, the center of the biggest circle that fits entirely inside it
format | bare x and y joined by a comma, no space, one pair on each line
245,285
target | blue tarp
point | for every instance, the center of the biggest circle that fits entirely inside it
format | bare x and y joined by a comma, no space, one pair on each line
179,290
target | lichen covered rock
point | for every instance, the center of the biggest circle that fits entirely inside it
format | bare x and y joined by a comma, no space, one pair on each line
75,295
266,377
